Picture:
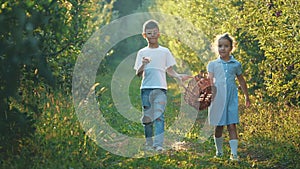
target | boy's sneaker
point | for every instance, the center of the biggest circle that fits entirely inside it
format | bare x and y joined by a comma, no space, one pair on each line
218,155
148,148
234,158
159,148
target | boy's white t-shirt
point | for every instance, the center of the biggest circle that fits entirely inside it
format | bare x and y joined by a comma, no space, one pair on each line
154,75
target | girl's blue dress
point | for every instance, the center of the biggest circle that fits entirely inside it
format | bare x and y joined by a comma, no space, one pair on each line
224,108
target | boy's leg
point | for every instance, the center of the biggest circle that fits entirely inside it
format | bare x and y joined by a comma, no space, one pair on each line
148,129
218,139
159,125
159,105
233,142
147,121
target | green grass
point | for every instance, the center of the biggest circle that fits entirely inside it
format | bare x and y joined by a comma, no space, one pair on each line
268,136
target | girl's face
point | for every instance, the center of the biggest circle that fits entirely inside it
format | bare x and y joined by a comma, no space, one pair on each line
224,48
152,37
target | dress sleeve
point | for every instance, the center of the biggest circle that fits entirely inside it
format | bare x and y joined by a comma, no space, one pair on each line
210,67
239,69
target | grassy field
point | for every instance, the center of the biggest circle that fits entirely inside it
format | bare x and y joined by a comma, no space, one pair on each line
268,136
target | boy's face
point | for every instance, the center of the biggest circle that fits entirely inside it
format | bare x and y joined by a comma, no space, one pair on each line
151,35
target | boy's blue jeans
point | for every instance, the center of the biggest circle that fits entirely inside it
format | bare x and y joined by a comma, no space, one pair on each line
154,103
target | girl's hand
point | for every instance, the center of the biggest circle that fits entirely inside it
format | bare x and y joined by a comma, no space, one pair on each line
247,103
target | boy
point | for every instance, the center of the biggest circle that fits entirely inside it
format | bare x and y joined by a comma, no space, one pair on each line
152,63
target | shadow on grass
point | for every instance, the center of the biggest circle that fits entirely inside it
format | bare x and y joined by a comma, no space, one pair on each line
269,153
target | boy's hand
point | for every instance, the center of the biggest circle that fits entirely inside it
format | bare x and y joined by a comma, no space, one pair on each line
182,78
146,60
185,77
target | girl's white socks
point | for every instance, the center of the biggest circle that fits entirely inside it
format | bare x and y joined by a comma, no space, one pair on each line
219,145
233,146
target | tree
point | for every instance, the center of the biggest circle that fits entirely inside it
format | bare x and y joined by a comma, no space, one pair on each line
274,26
39,43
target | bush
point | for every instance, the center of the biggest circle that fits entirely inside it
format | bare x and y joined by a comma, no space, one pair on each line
267,35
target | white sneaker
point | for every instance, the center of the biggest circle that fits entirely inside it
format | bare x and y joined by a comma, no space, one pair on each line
148,148
159,148
218,155
234,158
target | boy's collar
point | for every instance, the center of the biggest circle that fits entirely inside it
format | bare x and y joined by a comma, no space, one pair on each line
154,47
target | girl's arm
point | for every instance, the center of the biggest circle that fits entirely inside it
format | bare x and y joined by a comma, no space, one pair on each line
211,77
243,84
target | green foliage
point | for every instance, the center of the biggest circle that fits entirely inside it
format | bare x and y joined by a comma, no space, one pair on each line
274,26
126,7
268,136
267,34
58,140
205,16
39,42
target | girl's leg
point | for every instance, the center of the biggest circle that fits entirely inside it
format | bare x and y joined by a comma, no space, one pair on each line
233,142
232,132
218,131
218,139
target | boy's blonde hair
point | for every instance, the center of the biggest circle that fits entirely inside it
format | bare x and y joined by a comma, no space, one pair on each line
150,24
224,36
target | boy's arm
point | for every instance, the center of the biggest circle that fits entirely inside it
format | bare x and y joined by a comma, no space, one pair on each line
182,77
171,72
243,84
140,71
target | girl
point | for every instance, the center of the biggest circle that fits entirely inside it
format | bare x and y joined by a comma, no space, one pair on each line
224,108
